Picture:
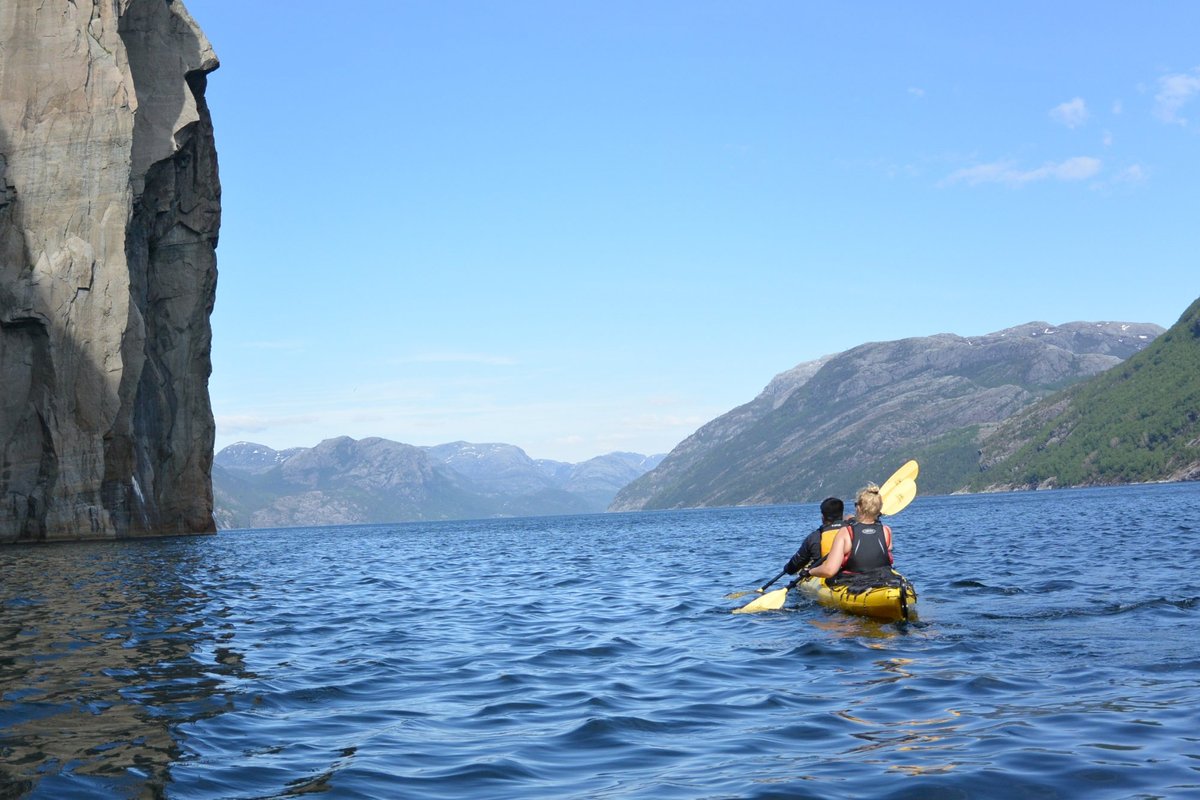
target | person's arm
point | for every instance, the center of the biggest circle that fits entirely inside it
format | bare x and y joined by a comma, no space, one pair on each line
837,555
803,557
797,562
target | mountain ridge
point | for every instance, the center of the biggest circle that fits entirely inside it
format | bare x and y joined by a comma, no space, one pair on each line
815,429
838,417
1139,421
347,481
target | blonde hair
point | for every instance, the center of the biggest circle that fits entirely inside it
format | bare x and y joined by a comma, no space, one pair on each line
868,501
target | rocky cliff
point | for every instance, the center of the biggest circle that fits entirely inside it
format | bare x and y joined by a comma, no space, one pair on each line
109,210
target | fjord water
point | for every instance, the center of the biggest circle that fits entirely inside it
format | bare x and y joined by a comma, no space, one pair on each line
1056,655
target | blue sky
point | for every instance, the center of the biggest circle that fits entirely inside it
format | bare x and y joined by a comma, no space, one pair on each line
580,227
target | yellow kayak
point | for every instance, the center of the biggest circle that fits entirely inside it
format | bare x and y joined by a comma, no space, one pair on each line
891,603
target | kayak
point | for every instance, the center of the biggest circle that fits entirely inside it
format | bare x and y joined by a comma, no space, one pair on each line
891,603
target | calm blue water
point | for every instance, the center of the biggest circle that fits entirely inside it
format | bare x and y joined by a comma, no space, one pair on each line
1057,655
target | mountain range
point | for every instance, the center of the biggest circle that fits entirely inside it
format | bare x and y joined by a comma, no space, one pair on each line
827,426
1032,406
347,481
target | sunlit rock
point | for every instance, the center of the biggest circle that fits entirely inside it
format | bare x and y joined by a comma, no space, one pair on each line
109,211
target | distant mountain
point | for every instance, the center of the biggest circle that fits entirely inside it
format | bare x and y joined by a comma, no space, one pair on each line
499,469
1134,423
255,458
826,426
348,481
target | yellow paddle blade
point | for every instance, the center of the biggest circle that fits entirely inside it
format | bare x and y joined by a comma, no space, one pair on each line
906,473
771,601
899,497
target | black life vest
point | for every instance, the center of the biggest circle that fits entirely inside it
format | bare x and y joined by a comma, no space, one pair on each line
870,547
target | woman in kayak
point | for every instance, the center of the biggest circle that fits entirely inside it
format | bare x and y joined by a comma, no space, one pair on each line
861,548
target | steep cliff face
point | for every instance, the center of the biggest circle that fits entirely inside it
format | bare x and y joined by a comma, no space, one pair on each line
109,211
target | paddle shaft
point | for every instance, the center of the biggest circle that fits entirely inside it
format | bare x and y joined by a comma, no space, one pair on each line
763,588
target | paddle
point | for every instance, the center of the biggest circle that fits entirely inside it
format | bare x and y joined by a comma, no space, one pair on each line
897,492
760,590
899,497
908,472
771,601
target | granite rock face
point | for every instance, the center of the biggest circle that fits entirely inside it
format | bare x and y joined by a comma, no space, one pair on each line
109,212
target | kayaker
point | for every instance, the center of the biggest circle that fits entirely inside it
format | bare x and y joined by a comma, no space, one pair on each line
817,545
862,548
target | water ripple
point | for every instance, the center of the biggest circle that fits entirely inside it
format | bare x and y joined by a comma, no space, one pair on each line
594,657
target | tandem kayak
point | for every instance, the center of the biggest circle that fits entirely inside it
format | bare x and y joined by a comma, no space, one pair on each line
891,603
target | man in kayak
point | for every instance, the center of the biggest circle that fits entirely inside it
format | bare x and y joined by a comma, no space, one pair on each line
861,550
817,545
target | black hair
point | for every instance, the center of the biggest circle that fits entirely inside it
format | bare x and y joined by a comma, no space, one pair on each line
831,509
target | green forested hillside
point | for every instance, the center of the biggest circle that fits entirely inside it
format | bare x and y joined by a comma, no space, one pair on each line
1137,422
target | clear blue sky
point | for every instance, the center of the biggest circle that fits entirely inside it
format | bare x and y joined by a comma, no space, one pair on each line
580,227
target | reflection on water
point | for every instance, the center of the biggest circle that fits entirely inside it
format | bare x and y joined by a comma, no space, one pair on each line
932,740
104,647
846,626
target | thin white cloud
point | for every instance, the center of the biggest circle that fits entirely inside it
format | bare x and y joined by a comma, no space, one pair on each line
1175,92
456,358
659,400
916,91
1072,113
1131,174
1005,172
278,344
687,420
239,424
563,431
